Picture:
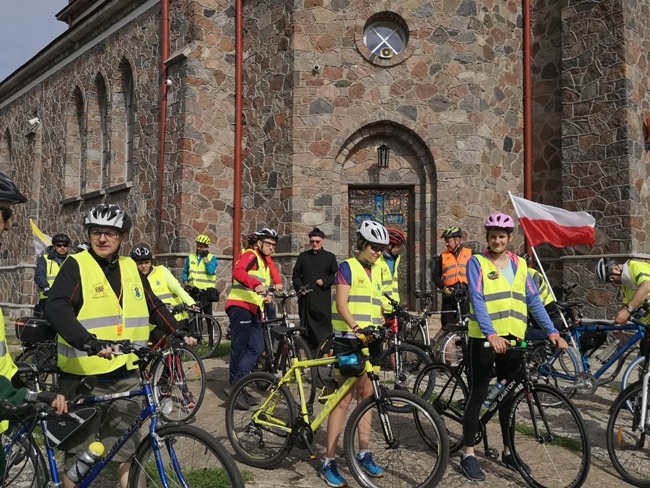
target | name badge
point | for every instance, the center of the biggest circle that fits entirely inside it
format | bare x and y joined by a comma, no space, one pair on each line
493,275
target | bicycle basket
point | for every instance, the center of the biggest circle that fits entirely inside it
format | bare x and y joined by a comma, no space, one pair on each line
33,329
590,341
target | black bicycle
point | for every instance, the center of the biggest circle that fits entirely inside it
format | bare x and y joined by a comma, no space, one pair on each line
205,327
38,341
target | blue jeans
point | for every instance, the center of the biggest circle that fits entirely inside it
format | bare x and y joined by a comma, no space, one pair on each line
247,342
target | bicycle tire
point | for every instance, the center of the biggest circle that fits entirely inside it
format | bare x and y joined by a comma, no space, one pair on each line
420,454
178,384
25,464
558,369
634,372
400,372
626,445
257,445
202,460
450,351
42,354
208,331
325,373
444,389
561,454
414,332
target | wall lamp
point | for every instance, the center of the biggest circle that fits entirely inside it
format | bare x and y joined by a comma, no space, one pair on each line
383,153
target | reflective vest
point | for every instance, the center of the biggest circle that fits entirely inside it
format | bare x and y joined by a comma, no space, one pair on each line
505,304
52,268
101,314
161,290
364,301
639,272
7,366
197,275
542,286
389,283
243,294
454,270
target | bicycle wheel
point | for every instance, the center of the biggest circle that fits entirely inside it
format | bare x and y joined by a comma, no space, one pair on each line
260,435
325,373
627,441
634,372
550,441
414,331
443,388
43,354
303,353
555,368
25,463
420,452
178,381
451,350
208,331
401,364
189,456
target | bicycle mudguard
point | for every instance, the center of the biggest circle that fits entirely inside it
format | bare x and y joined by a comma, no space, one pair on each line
61,428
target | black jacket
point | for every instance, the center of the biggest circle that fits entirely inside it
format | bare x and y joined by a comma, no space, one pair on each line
40,275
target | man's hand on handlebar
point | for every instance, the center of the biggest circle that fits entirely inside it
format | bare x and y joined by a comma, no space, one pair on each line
558,342
190,341
498,343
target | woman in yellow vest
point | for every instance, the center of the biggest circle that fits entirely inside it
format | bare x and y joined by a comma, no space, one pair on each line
501,295
358,305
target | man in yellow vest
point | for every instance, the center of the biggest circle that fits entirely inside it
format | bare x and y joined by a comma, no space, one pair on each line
501,295
200,272
98,297
450,275
634,278
251,277
388,262
47,267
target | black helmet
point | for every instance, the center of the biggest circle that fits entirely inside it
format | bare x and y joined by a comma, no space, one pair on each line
526,257
82,246
451,232
142,253
61,238
108,215
9,192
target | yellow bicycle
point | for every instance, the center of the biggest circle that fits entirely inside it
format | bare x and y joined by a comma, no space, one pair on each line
407,437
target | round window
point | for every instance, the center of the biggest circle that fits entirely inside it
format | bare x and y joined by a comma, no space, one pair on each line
385,37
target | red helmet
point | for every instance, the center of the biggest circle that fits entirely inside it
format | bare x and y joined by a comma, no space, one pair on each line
395,236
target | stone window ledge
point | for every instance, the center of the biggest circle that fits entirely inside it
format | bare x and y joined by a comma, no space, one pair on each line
119,187
97,193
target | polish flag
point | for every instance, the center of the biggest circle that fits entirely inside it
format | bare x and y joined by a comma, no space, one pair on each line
555,226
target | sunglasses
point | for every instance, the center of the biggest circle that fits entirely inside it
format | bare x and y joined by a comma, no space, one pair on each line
6,213
377,247
60,244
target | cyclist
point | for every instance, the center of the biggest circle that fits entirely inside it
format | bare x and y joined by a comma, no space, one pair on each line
535,331
200,272
501,296
315,269
450,274
634,278
47,267
100,296
358,305
251,277
388,263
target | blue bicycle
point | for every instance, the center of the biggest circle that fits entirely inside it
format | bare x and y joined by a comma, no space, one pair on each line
169,456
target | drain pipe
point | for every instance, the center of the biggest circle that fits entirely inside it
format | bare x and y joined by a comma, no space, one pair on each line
164,55
528,103
239,48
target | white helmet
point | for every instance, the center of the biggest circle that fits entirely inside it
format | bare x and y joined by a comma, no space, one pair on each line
373,232
107,215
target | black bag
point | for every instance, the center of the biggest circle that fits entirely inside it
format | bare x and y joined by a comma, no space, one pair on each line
590,341
350,362
212,294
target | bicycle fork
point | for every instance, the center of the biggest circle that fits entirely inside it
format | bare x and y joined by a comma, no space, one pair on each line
381,401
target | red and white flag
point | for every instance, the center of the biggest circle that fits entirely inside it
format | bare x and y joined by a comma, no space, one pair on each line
552,225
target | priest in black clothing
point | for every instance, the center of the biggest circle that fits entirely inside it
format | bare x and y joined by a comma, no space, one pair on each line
315,269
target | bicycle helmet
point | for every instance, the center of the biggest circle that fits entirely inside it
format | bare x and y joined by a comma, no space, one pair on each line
373,232
526,257
603,269
451,232
251,238
82,246
142,253
267,233
108,215
499,220
9,192
60,238
395,236
202,239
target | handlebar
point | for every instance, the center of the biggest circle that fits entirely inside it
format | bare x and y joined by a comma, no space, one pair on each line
284,294
513,344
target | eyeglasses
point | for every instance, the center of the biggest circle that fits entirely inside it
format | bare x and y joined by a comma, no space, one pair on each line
111,235
377,247
60,244
270,244
6,213
315,241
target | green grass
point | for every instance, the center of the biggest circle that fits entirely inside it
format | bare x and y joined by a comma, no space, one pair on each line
202,478
559,441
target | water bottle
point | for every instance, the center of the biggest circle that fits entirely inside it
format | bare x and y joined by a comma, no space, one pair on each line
85,461
498,387
604,356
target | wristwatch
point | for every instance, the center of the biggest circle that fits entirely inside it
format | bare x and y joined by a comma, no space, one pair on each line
629,309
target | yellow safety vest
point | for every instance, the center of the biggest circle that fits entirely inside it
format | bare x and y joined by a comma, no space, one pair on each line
364,301
197,275
52,270
544,293
506,304
389,283
243,294
639,272
7,366
161,290
101,314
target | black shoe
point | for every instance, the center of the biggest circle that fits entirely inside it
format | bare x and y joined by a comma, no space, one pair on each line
250,399
241,403
227,391
508,461
470,468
